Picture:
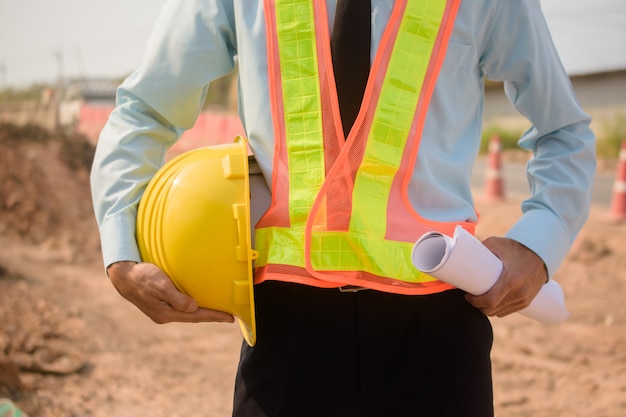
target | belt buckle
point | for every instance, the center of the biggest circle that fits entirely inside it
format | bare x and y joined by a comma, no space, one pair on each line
352,288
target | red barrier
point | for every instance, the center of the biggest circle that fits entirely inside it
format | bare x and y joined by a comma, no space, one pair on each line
211,128
91,120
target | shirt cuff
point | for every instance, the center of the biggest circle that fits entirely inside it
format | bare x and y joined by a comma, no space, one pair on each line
545,234
117,237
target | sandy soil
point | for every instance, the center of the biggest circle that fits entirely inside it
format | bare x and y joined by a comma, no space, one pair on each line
71,346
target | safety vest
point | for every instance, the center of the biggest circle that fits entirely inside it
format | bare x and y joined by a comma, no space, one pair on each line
340,212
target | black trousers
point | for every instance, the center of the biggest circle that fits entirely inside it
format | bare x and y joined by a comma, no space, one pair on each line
323,353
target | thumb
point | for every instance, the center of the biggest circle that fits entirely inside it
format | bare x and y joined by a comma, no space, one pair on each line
182,302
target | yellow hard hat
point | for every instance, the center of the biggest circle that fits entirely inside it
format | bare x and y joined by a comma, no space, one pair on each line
194,223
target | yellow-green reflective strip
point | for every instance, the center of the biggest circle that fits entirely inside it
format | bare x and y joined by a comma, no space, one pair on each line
282,246
394,114
341,252
302,104
356,252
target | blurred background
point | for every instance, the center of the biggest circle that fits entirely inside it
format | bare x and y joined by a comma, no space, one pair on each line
69,55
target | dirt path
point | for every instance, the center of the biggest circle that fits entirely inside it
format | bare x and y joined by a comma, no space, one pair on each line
134,367
72,347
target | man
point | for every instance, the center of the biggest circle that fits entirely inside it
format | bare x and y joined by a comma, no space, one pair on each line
346,327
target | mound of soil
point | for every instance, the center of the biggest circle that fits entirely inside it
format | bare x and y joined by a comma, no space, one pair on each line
45,199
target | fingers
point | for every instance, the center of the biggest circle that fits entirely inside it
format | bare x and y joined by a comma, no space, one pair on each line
522,277
496,306
152,291
181,302
166,314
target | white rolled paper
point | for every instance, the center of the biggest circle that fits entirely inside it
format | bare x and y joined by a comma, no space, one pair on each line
463,261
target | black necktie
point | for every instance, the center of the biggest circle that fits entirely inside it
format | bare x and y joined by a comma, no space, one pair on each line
350,46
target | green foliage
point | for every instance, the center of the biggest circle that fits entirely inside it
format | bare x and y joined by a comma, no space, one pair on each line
11,96
508,137
608,148
610,142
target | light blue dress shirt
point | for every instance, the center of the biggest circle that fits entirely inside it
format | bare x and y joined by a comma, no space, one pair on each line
197,41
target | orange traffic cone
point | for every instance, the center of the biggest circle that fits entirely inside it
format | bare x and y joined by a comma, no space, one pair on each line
618,204
494,183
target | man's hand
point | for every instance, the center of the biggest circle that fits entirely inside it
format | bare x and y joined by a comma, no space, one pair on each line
151,290
522,277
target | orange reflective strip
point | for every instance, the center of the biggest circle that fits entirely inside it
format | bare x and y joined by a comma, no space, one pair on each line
276,212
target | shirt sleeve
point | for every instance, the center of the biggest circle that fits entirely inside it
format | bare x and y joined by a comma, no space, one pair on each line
519,51
193,43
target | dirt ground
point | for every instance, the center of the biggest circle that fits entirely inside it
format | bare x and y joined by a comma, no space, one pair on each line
70,346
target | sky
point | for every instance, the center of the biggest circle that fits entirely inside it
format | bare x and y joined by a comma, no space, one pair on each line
43,40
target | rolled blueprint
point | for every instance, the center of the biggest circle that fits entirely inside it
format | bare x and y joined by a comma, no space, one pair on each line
464,262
